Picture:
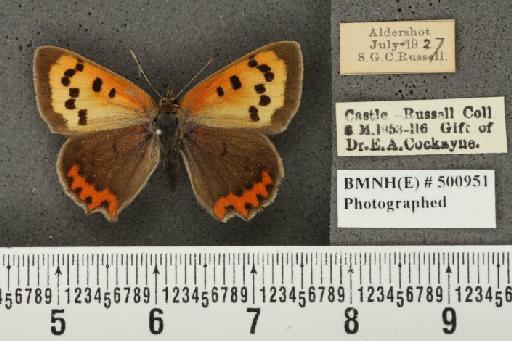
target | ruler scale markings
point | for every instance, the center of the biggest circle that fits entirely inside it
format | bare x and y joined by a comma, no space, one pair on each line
145,269
214,270
156,273
253,272
243,267
224,269
166,264
399,275
438,268
301,271
38,271
454,267
360,270
488,268
290,262
498,273
107,268
262,271
478,268
350,272
87,270
117,269
428,268
419,267
176,269
380,268
330,269
508,268
468,276
18,269
8,273
234,265
28,271
184,263
47,270
272,269
390,277
137,269
409,267
448,279
67,269
97,269
58,273
126,270
458,269
369,268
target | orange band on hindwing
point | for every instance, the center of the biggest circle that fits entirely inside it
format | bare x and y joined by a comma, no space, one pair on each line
247,200
93,198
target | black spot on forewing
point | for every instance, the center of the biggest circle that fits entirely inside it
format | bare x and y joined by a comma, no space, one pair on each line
235,82
220,91
88,200
253,114
112,93
79,67
264,68
69,72
77,191
96,84
260,88
252,63
269,76
65,81
264,100
82,115
70,104
74,92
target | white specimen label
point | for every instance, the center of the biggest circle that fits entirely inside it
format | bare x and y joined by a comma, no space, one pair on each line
416,199
424,46
421,127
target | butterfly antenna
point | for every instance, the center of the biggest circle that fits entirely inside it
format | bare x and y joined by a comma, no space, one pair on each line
144,74
194,78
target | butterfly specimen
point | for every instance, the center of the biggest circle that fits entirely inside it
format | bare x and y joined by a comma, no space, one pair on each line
117,134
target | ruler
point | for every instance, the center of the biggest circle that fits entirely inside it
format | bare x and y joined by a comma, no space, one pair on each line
256,293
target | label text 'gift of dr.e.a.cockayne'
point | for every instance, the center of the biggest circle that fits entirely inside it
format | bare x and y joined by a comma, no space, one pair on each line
421,127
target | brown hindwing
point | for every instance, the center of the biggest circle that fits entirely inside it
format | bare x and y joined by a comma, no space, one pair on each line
103,172
233,171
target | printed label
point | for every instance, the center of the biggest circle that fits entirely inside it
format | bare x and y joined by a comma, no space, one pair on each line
426,46
416,199
441,126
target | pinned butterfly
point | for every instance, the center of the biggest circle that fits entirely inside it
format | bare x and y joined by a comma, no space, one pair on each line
117,134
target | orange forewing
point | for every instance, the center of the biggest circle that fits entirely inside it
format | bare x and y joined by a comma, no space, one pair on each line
77,96
259,91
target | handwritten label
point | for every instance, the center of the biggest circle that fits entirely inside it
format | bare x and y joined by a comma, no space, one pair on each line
421,127
416,199
426,46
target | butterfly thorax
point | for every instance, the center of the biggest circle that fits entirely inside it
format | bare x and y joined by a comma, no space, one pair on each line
166,127
166,124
